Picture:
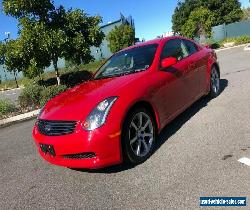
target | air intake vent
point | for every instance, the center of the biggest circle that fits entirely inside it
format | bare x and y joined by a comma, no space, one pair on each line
80,155
56,128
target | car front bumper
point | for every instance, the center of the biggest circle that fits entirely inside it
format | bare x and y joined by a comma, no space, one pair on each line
103,142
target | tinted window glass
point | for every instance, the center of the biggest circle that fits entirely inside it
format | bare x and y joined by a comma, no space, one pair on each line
174,48
191,47
129,61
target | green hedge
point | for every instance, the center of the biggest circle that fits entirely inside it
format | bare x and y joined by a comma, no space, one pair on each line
35,95
51,92
69,79
6,107
213,44
238,40
30,96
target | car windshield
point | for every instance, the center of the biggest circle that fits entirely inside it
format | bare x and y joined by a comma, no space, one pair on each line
128,61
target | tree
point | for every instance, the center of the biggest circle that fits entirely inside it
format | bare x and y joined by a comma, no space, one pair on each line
182,12
226,11
33,70
2,53
199,23
28,8
121,37
33,42
246,13
48,33
2,57
14,58
10,57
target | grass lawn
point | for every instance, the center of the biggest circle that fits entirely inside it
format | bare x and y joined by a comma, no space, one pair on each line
10,84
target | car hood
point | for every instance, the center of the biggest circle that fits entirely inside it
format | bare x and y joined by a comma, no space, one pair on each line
76,103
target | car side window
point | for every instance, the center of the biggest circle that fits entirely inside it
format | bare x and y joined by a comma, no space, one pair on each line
191,47
174,48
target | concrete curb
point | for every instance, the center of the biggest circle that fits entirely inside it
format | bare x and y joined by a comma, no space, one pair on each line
7,90
228,48
19,118
247,47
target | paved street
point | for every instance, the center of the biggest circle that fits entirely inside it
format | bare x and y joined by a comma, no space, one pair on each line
197,156
11,95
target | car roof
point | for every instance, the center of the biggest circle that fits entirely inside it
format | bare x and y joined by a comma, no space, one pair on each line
155,41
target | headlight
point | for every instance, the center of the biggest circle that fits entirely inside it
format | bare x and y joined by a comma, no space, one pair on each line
99,114
40,112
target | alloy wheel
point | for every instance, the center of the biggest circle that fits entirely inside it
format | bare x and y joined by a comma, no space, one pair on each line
141,134
215,80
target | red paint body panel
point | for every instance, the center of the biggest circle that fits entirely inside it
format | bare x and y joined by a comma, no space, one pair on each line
168,92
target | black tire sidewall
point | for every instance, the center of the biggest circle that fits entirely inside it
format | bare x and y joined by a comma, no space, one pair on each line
213,94
128,154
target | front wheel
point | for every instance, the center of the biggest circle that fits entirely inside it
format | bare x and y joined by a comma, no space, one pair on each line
214,83
138,136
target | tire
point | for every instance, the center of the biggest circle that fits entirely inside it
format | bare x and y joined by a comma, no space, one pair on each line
214,83
138,136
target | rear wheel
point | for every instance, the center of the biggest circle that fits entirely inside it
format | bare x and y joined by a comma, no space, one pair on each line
214,82
138,136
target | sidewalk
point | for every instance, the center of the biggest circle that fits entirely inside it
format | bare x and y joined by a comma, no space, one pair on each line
228,48
19,118
10,89
11,95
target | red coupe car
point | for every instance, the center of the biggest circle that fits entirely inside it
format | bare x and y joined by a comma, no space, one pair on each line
116,116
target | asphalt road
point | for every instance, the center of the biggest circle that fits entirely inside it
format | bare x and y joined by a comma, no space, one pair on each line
10,95
197,155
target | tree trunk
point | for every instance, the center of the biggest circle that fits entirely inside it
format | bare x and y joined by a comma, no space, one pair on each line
16,79
57,72
5,74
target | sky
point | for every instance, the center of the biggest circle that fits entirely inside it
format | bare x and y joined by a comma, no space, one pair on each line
152,17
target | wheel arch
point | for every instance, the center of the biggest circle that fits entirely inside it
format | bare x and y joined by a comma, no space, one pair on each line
211,64
149,107
216,65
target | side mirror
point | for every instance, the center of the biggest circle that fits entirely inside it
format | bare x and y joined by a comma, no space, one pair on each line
167,62
208,46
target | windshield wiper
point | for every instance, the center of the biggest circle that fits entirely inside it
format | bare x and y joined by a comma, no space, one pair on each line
120,74
128,72
103,77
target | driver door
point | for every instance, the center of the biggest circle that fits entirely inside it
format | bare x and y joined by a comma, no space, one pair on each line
173,94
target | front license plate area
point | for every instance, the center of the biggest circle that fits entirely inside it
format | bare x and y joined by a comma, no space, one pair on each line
48,149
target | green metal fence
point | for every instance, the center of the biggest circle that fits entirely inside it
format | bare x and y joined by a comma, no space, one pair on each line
223,31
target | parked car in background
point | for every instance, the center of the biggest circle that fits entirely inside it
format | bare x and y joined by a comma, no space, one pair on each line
117,115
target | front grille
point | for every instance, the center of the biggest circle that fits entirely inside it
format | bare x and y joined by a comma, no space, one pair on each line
56,128
80,155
